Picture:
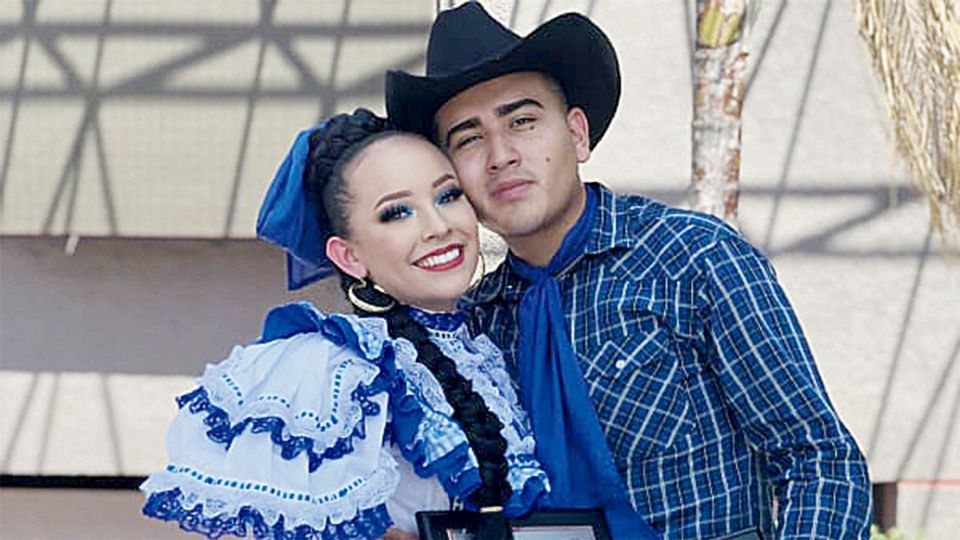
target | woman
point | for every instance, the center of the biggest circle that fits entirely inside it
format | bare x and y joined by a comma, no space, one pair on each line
297,435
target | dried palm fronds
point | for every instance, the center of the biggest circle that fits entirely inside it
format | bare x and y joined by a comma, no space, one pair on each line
915,46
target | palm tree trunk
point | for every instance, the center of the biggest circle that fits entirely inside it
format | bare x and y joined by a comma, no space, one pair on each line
720,62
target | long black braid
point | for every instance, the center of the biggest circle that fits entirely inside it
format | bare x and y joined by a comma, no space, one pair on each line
331,150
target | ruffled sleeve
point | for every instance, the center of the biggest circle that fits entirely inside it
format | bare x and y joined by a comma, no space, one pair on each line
285,437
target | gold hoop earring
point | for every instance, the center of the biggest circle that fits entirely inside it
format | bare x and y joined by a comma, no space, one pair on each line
363,304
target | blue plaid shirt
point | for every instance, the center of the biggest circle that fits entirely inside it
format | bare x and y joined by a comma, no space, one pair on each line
705,387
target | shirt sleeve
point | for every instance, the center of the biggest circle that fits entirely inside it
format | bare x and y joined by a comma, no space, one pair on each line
770,380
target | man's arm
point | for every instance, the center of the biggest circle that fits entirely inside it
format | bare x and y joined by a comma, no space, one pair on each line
772,385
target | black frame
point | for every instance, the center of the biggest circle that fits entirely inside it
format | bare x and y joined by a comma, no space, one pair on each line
438,525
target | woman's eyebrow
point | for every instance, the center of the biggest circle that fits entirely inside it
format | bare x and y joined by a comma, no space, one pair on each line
406,193
443,179
392,196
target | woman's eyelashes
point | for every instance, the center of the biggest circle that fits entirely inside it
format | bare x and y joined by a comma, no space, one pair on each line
395,212
449,195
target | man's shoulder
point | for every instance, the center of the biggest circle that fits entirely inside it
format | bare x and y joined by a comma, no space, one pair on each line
487,290
662,232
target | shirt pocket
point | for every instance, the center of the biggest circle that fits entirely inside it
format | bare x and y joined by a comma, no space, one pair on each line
637,384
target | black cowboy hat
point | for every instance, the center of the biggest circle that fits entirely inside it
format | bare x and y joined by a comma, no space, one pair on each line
467,46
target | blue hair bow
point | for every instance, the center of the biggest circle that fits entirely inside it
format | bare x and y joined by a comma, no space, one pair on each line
289,219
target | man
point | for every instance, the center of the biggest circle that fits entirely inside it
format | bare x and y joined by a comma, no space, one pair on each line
657,330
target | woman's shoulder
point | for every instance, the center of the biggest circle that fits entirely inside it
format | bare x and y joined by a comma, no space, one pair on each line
297,318
306,366
299,338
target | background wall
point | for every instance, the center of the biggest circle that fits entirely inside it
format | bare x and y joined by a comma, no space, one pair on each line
138,139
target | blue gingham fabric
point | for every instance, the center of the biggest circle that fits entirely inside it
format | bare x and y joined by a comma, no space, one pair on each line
702,379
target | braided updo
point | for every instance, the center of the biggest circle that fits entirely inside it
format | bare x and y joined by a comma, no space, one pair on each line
332,149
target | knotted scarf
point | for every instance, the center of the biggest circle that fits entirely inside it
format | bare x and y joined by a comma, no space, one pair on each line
570,443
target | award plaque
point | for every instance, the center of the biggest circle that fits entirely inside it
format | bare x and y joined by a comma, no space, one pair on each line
542,525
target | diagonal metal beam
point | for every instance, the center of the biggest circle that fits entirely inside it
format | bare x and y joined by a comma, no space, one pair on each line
29,19
764,47
155,77
328,101
898,349
818,241
73,168
106,190
934,398
55,30
942,457
797,124
267,8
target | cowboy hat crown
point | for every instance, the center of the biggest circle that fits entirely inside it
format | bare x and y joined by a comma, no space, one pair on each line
467,46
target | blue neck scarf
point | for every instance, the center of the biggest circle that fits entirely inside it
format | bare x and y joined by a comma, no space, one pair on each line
570,444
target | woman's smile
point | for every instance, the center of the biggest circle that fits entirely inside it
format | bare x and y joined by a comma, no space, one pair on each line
442,259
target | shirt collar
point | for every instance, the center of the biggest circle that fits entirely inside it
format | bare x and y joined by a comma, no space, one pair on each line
612,231
433,320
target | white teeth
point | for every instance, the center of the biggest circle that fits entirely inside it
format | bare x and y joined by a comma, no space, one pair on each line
437,260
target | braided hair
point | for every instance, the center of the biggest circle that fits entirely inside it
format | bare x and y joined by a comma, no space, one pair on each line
331,150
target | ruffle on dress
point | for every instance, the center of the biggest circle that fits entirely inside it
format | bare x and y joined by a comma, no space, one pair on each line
424,430
479,361
284,438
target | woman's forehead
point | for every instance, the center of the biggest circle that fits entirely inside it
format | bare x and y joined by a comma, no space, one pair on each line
403,160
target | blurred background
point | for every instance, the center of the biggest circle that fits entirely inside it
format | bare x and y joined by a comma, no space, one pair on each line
139,136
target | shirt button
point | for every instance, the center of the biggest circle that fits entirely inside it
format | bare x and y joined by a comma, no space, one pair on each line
621,364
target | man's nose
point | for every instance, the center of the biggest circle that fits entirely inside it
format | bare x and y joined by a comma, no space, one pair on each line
502,155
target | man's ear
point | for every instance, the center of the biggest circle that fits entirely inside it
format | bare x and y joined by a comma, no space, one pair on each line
580,132
341,253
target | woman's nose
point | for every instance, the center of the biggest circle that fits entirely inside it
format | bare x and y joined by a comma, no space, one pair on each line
434,225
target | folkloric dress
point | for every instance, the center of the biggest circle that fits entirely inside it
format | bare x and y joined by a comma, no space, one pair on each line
298,434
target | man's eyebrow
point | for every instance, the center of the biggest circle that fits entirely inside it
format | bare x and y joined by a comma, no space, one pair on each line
500,110
469,123
507,108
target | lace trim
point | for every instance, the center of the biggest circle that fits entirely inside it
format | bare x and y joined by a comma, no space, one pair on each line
492,382
332,440
531,488
422,428
446,322
224,432
480,362
483,346
166,506
210,498
419,379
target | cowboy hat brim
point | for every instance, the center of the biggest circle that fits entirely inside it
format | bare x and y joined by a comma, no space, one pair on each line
569,48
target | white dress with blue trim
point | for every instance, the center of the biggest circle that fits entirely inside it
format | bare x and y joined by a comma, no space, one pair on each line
296,436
